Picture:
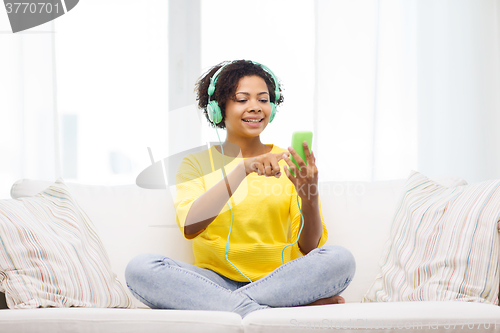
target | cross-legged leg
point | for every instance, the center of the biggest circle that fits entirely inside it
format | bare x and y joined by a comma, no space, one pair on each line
164,283
322,273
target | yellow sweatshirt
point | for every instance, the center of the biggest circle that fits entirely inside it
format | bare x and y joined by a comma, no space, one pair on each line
266,217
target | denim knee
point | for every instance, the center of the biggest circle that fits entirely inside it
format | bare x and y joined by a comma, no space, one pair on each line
342,260
139,266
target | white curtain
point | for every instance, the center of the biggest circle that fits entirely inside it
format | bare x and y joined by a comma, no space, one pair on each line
459,88
407,85
28,113
366,80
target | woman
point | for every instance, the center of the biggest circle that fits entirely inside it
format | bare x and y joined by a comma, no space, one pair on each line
257,234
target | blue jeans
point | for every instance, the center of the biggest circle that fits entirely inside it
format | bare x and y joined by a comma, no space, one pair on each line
164,283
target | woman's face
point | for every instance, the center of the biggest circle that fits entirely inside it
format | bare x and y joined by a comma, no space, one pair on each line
247,114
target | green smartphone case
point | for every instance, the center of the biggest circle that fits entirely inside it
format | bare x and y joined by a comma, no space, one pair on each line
297,138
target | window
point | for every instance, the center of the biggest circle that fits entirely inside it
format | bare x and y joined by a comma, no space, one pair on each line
112,83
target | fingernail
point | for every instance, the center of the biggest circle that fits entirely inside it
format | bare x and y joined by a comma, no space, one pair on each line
284,156
290,148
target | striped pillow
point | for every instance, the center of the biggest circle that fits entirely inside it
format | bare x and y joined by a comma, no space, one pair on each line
51,255
443,244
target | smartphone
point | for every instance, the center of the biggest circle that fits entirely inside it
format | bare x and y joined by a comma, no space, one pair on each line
297,138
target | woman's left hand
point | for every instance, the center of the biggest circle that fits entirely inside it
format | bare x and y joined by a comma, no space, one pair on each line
305,179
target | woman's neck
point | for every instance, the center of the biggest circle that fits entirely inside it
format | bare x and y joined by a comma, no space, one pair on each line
247,150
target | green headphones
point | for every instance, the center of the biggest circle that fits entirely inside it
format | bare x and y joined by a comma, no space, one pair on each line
213,109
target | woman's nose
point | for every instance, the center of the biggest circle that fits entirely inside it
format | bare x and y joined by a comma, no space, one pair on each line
254,106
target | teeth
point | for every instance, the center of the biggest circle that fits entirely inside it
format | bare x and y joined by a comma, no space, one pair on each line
252,120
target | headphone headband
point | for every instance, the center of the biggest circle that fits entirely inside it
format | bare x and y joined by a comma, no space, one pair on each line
213,79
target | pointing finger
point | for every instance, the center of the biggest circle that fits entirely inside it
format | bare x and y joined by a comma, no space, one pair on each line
281,156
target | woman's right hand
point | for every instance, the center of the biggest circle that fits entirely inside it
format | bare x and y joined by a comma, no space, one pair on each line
265,164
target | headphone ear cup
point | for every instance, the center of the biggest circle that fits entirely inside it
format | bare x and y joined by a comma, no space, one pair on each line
273,112
214,113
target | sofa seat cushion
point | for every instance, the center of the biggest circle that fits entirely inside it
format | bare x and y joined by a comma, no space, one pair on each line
449,316
82,320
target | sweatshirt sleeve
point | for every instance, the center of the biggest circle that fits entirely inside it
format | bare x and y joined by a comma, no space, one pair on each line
190,186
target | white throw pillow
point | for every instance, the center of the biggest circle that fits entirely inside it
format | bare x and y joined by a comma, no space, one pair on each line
443,244
51,254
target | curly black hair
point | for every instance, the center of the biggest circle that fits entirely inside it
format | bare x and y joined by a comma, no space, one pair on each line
227,82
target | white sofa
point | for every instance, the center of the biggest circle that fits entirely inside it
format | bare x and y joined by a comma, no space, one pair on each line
132,220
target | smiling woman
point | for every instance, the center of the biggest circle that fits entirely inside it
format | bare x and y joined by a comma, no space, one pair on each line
272,246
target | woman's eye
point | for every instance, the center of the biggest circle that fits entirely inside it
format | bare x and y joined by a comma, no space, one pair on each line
263,100
241,101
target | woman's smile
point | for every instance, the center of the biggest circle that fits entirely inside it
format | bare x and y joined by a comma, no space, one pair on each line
253,122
